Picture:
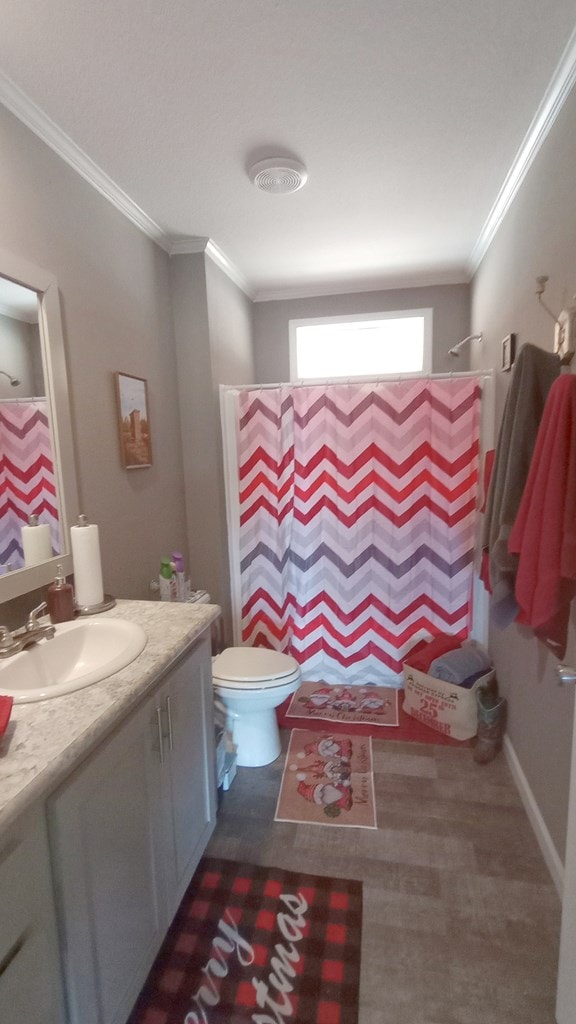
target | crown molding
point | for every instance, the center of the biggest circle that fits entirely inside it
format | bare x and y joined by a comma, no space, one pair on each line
397,282
198,243
554,98
38,122
188,246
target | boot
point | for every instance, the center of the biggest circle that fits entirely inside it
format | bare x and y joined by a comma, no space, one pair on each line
491,724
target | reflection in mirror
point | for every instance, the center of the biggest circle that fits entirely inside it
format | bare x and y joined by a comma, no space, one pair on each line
27,477
37,464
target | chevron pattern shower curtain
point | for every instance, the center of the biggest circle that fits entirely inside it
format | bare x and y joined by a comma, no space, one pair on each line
27,480
357,521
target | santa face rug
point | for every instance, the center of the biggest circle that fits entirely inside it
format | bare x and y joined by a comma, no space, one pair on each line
328,780
257,945
353,705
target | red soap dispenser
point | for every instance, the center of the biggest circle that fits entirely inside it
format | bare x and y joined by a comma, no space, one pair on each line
60,599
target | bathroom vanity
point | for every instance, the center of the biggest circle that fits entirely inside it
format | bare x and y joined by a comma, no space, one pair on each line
107,801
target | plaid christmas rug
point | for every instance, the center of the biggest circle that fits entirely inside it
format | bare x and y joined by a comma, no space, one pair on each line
253,945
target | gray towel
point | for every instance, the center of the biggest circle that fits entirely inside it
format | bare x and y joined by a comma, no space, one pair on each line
457,666
532,377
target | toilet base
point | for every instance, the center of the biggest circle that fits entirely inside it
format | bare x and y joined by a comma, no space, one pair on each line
256,736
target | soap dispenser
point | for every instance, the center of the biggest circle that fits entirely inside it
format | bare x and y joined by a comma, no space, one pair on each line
60,599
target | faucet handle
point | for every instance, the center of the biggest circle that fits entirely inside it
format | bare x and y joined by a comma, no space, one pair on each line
35,615
8,643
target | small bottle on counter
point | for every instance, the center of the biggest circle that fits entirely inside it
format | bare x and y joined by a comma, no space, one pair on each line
60,599
167,581
178,566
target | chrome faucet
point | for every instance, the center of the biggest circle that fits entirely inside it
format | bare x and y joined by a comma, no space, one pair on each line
25,636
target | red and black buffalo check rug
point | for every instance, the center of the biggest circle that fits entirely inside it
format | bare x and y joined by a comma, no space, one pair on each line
256,945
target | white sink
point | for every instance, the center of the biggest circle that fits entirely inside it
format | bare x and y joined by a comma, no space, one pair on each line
80,653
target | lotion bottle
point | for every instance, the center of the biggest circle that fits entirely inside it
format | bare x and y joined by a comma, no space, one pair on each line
178,566
60,599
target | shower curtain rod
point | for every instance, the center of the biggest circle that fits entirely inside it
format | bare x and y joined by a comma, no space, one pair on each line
37,398
484,374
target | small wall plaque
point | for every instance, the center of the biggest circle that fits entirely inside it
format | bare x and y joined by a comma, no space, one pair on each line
508,351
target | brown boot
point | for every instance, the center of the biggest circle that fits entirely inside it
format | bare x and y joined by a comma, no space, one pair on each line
491,725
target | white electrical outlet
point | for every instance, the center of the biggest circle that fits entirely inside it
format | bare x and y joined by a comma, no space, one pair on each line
565,331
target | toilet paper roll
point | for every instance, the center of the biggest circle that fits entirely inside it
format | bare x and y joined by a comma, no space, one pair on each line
36,544
88,588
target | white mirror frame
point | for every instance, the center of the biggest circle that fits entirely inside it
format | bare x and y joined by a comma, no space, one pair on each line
21,581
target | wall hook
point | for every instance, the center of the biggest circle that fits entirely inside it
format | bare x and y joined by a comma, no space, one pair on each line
541,283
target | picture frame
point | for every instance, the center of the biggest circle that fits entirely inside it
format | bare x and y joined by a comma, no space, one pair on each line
133,421
508,351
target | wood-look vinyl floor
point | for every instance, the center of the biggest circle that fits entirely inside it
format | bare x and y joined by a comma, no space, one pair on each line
461,920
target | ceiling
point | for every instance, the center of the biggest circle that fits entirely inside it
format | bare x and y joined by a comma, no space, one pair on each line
411,117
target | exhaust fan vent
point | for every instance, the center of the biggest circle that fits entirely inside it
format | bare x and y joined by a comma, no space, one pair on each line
278,176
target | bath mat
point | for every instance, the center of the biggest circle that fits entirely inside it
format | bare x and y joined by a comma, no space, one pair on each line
327,780
409,730
350,705
253,944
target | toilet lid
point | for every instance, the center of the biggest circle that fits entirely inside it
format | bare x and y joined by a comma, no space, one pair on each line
253,665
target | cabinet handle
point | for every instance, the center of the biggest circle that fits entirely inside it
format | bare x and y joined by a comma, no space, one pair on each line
13,952
160,736
169,714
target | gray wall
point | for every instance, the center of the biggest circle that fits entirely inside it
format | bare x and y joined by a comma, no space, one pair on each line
538,236
451,322
213,336
116,312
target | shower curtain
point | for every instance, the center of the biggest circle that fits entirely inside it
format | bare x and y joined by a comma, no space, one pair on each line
27,479
357,521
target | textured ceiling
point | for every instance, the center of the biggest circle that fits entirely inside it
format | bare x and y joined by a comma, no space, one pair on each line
408,115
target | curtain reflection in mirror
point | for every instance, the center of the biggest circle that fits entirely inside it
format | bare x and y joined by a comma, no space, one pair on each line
27,479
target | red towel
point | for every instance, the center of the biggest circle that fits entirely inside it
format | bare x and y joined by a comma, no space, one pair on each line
434,649
544,533
5,712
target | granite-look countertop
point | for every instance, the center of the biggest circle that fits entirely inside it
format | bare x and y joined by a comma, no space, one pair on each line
45,740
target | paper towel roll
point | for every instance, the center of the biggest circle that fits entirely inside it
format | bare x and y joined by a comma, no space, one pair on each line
88,588
36,543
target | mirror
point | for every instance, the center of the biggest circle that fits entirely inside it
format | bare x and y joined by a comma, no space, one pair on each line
37,470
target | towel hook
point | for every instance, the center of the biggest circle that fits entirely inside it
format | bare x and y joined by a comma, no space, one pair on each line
541,283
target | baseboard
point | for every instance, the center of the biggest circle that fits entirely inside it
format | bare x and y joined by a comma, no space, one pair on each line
549,852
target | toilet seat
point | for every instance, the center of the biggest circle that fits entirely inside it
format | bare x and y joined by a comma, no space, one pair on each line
256,668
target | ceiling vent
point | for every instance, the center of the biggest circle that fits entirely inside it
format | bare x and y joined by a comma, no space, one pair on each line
278,176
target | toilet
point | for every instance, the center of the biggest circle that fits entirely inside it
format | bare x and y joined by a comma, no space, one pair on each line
252,682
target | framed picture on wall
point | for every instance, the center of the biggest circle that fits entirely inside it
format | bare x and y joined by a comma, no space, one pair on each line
133,421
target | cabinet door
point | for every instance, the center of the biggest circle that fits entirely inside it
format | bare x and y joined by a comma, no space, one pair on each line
189,769
109,875
30,980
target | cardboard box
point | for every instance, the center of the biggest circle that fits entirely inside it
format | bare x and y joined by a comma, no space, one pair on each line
444,707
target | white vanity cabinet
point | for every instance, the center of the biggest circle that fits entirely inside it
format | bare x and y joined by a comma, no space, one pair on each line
127,830
30,984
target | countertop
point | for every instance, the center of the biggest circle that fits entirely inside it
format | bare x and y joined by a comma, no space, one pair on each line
45,740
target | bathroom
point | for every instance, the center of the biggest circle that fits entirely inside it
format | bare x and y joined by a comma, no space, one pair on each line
182,323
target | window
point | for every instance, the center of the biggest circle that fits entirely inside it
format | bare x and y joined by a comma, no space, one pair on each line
371,345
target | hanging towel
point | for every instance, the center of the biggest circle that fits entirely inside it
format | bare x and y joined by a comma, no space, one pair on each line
532,377
544,534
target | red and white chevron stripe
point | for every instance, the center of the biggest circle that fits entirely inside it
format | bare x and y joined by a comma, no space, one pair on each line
27,481
357,521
